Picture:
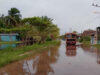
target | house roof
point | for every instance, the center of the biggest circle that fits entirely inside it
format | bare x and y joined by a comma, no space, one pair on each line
8,34
88,32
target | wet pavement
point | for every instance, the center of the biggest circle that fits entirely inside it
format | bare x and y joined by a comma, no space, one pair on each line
59,60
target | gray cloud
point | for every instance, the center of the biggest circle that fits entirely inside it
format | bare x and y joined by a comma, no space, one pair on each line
67,14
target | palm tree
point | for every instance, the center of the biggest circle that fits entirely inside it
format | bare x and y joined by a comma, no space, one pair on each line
10,21
2,25
44,26
14,16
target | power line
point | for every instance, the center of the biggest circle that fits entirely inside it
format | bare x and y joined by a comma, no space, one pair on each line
96,3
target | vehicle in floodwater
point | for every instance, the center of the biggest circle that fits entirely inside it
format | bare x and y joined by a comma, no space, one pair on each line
71,38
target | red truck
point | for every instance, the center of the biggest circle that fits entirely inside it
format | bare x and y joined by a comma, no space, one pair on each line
71,38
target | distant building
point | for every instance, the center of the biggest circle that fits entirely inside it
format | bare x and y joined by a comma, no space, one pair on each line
95,37
98,35
88,32
9,37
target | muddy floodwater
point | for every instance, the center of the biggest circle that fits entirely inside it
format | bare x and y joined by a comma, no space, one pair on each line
59,60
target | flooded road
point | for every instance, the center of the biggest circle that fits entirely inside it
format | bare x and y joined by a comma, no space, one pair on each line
59,60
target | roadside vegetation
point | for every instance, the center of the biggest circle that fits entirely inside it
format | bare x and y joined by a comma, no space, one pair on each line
37,28
85,40
13,42
63,37
10,54
97,46
41,29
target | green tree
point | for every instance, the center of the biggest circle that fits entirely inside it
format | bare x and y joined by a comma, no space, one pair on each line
75,32
2,24
15,14
44,26
38,28
13,18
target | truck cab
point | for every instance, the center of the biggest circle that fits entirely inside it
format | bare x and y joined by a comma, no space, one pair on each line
71,38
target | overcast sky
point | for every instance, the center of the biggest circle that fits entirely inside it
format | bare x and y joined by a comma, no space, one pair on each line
69,15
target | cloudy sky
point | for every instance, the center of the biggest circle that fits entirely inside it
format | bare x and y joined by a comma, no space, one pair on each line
69,15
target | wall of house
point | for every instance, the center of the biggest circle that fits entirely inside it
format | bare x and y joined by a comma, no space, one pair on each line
2,46
8,38
94,39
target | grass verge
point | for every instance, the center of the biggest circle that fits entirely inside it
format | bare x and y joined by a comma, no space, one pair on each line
97,46
14,42
10,55
86,42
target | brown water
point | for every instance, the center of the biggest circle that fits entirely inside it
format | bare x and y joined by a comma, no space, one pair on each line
61,60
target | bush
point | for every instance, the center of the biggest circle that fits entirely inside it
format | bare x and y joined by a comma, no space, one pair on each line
48,39
85,38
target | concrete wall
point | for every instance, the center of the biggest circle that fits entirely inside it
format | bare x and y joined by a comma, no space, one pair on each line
94,39
8,38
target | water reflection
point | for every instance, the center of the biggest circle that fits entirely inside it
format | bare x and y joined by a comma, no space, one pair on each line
41,65
71,50
93,51
98,56
3,46
34,65
83,60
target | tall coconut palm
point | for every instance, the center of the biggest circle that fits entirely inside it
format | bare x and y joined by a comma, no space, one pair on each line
14,16
2,24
